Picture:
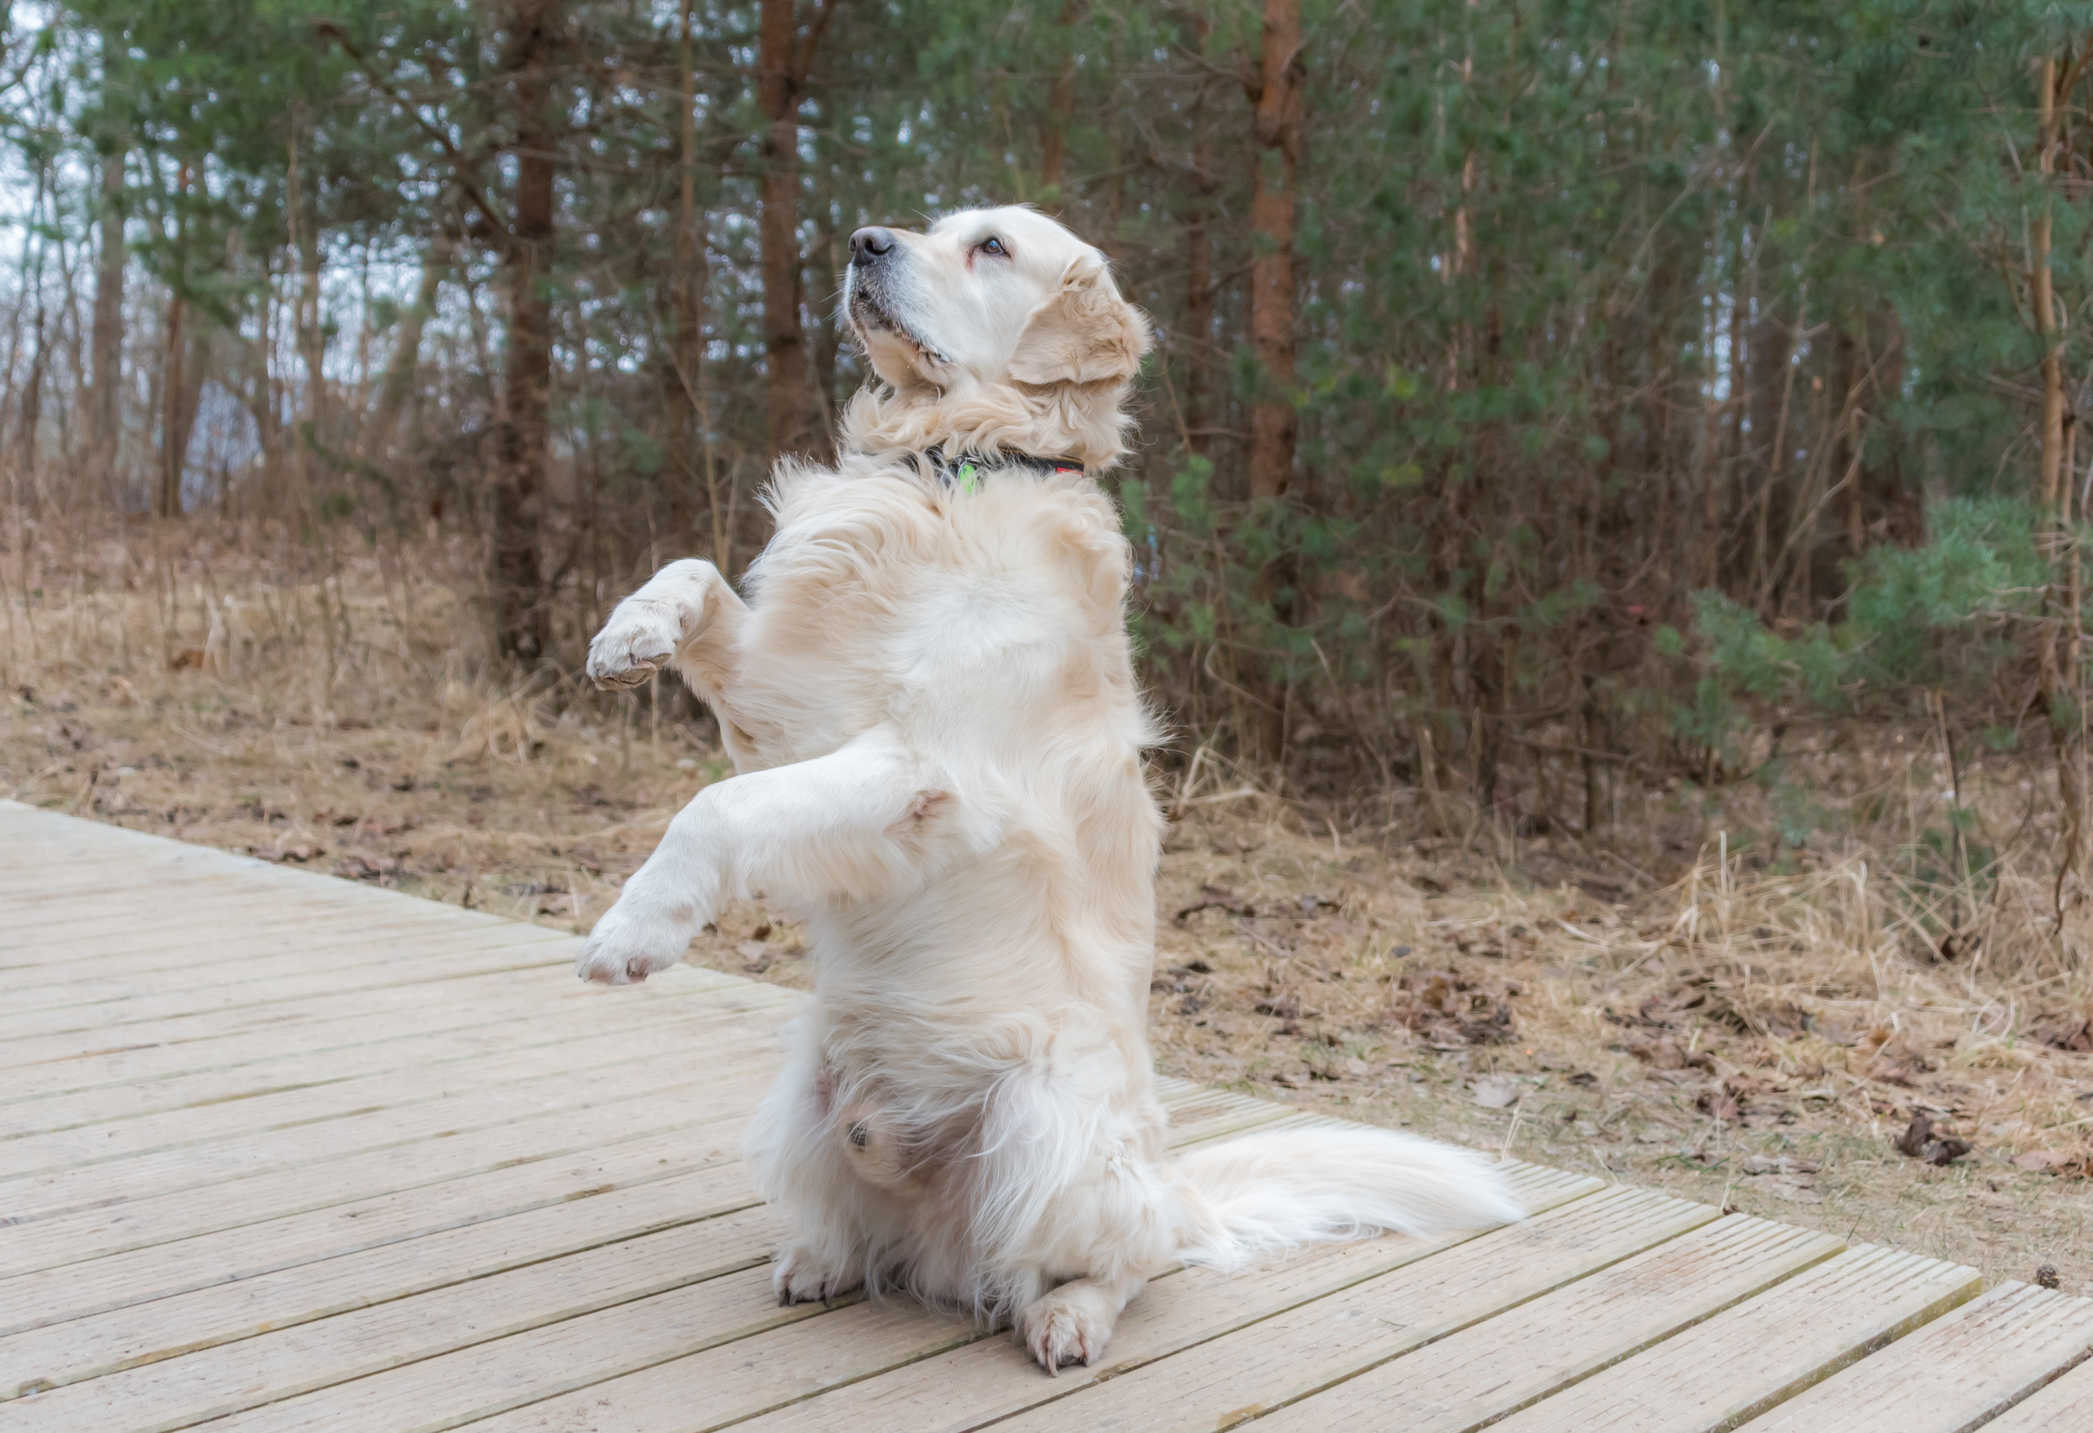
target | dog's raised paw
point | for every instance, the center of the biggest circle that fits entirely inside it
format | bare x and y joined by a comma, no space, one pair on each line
624,950
803,1277
637,641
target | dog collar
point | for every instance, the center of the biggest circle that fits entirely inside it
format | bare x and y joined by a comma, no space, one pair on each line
966,471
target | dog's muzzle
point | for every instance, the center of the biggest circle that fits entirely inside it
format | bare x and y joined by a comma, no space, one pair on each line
869,246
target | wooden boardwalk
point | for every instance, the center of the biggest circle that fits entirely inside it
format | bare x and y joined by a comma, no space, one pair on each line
282,1152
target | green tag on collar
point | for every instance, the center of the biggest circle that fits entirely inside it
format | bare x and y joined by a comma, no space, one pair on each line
969,477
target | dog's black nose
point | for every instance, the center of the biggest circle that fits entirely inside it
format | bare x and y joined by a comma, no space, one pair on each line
868,246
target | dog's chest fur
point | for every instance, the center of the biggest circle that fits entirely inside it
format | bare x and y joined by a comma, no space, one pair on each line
961,616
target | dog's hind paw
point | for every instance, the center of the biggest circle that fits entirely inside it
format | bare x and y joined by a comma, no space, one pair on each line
804,1277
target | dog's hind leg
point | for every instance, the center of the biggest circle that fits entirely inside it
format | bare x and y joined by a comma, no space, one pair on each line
868,819
795,1153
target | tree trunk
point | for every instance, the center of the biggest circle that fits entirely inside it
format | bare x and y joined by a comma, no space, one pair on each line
174,435
518,583
2042,296
174,412
406,352
1276,153
781,68
693,495
1198,325
2060,655
33,400
105,406
1061,104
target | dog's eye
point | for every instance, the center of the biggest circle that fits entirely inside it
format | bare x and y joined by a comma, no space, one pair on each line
993,245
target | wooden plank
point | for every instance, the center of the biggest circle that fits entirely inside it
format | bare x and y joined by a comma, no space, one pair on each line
59,1191
568,1206
209,1382
301,1092
42,847
725,1313
61,1093
165,950
179,892
317,1112
169,1077
2064,1404
1287,1357
1208,1114
92,868
781,1369
111,1016
490,1375
256,1228
84,1058
425,1054
82,1045
94,863
110,924
419,948
1475,1377
991,1378
180,895
1956,1373
253,1238
1747,1360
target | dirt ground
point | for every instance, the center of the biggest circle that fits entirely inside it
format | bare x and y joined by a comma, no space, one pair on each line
1734,1034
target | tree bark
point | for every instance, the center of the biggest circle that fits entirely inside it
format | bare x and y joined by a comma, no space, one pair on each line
518,582
2059,660
1198,325
33,400
174,436
174,411
1276,154
406,353
689,282
105,407
783,57
1061,104
2042,296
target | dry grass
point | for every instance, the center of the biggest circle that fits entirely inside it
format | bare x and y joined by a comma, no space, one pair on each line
1753,1029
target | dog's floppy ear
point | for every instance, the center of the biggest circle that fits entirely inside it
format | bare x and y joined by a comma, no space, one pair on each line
1084,333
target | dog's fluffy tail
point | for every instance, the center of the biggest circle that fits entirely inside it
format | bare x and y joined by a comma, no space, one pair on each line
1266,1193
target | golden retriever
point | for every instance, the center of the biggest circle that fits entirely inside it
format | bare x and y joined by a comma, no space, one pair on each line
930,704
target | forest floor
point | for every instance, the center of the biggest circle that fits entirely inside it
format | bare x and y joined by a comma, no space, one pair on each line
1725,1034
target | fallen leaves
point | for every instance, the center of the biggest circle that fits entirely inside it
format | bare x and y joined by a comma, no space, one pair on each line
383,869
2063,1030
1215,898
1495,1092
1665,1053
293,852
1919,1142
1451,1010
1886,1056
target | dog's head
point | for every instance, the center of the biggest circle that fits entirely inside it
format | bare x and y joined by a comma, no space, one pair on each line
994,300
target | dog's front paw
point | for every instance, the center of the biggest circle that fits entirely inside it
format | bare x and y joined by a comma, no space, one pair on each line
1071,1324
638,641
802,1277
626,947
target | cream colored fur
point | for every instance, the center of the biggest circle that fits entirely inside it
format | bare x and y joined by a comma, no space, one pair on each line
930,704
